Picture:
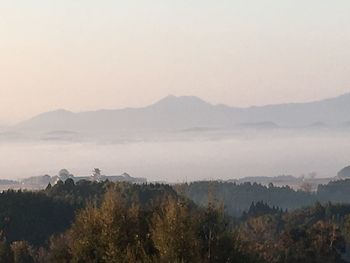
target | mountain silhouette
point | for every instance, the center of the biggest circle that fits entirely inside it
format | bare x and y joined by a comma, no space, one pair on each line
186,112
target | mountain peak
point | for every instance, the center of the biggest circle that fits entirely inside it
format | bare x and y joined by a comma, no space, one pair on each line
181,101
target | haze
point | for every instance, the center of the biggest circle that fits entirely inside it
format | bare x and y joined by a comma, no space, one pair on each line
179,160
86,55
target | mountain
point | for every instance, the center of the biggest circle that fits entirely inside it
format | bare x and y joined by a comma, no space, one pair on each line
333,111
186,112
169,113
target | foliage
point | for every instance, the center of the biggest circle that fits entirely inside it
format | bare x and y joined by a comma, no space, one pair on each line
32,216
122,222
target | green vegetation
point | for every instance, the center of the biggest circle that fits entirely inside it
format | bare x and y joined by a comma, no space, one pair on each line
237,198
121,222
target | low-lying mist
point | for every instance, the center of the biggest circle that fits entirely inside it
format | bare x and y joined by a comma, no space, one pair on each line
177,156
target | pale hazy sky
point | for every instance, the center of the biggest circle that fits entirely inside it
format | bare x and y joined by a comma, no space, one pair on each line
85,54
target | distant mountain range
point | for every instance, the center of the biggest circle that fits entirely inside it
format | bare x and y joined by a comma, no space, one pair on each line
188,112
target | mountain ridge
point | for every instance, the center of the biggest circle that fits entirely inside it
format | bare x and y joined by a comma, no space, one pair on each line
183,112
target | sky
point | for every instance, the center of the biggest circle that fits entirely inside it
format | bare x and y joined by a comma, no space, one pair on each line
85,55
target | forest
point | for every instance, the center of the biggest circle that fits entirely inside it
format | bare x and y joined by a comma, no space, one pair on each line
197,222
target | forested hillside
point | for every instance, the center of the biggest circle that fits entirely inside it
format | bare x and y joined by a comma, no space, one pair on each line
121,222
237,198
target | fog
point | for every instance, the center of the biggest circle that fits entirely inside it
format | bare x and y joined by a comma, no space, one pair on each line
181,156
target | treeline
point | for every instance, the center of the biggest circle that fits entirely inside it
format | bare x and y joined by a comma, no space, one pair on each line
121,222
237,198
132,223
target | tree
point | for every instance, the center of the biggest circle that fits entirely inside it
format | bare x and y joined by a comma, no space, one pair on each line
6,255
114,232
22,252
58,251
216,236
174,232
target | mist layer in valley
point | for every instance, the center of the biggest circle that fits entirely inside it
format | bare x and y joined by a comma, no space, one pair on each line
182,156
